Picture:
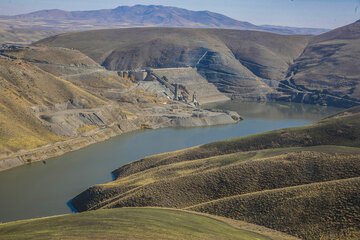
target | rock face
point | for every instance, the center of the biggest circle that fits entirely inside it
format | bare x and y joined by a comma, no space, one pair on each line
233,78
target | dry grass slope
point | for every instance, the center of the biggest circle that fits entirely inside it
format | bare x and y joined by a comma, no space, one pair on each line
135,223
327,210
23,35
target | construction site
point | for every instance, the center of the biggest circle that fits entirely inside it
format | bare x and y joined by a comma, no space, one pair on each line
179,84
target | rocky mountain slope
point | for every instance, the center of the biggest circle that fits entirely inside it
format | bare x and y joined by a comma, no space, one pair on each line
137,16
248,65
303,181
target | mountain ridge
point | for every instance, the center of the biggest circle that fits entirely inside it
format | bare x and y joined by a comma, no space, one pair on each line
142,15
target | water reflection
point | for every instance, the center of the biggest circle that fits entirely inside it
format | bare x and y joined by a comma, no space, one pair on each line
277,111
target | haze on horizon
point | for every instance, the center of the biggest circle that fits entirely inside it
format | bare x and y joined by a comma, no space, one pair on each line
295,13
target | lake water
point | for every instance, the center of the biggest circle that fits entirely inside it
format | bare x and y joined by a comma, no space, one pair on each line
39,189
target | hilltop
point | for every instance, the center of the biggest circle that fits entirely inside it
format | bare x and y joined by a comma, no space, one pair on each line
277,179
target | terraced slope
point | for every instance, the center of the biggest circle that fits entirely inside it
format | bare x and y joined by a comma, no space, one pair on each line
74,66
23,88
299,169
136,223
242,63
194,83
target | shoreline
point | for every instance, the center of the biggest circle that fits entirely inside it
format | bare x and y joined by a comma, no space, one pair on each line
42,153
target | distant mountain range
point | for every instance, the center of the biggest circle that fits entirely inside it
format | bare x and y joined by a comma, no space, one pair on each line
138,16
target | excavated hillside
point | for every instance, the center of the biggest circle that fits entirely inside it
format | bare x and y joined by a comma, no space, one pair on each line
303,181
247,64
56,100
24,86
74,66
194,83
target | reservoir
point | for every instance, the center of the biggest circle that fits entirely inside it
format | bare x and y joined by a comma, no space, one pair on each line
44,188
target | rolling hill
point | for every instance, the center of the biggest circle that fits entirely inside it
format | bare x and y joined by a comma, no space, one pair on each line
137,16
137,223
272,179
24,36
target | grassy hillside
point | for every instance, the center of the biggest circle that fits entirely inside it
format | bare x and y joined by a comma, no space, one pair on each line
260,166
327,210
134,223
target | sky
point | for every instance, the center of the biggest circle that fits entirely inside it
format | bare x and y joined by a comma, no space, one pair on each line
295,13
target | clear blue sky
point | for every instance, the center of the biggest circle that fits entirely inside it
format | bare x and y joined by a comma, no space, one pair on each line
301,13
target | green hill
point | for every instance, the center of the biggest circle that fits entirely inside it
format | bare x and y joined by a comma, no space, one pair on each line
136,223
316,165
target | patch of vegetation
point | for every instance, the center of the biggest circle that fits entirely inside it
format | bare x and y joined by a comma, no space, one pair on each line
85,128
